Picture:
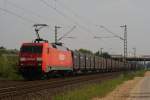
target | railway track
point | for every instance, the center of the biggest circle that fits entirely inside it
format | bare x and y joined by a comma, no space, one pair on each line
29,90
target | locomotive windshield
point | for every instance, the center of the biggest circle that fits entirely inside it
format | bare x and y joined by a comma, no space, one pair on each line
31,49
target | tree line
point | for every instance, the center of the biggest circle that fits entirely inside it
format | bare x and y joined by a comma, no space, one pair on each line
103,54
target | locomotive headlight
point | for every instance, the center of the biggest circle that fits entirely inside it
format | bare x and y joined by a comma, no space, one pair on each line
22,59
39,59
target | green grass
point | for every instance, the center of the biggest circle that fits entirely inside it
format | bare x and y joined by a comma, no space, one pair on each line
93,90
8,68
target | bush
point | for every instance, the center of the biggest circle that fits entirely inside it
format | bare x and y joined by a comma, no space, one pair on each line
8,68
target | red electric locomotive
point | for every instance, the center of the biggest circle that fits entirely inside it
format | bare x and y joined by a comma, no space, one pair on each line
40,57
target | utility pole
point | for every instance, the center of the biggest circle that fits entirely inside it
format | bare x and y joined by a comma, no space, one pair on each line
134,52
56,28
101,51
121,38
125,45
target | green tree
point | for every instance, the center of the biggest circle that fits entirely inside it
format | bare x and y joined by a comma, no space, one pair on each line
1,47
85,51
104,54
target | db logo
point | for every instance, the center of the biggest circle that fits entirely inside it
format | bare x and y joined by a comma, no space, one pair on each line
61,57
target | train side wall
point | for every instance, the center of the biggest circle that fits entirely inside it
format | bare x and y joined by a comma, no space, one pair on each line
84,62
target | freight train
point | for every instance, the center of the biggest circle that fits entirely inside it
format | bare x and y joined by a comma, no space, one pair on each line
49,58
42,58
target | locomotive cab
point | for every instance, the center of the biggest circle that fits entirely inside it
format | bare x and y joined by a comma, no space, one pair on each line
30,61
38,59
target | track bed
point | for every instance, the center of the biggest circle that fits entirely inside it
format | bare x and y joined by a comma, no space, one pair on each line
45,89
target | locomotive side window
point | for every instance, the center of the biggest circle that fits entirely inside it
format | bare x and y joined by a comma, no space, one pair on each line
31,49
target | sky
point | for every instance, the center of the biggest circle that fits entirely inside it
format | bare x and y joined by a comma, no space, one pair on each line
17,18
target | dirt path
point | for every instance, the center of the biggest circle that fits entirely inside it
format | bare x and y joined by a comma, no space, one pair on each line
124,91
142,90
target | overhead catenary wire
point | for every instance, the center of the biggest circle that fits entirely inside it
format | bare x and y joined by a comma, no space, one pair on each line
87,21
79,17
82,19
66,17
96,37
26,10
114,34
67,33
17,15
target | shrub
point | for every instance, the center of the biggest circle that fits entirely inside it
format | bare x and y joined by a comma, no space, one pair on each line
8,67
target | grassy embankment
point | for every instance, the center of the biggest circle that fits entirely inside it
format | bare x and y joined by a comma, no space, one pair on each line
93,90
8,65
